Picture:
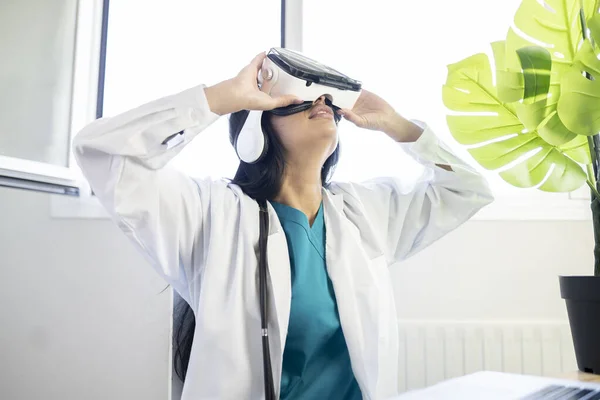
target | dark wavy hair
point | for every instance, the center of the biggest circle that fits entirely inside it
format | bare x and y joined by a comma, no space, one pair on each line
260,181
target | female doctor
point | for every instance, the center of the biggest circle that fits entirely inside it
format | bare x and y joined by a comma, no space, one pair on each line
332,317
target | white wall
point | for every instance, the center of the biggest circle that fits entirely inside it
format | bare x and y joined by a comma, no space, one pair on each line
495,270
82,316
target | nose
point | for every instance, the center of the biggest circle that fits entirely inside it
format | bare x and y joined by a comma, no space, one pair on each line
320,100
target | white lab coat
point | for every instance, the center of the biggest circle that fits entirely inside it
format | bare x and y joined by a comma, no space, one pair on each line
201,236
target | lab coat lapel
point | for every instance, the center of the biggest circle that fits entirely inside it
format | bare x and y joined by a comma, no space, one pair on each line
280,293
356,293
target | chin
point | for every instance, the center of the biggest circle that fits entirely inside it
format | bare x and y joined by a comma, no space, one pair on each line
323,137
327,133
325,125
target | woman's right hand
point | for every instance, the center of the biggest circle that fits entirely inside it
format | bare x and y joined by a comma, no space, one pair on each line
242,92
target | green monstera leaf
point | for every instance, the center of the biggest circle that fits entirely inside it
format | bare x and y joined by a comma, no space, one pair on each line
501,137
510,81
531,82
593,21
536,63
553,24
545,101
579,104
556,25
543,117
578,149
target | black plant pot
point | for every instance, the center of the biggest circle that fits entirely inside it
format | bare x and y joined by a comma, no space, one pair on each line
582,295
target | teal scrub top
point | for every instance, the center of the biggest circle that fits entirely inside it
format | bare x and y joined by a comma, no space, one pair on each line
316,363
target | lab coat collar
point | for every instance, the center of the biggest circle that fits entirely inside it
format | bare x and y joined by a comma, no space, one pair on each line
335,199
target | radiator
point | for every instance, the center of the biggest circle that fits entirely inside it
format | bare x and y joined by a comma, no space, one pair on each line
431,351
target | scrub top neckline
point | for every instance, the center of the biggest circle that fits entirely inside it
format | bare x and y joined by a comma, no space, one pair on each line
297,216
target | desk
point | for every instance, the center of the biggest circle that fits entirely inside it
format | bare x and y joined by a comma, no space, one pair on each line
581,376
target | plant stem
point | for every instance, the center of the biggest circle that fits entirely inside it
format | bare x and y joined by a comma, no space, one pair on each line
594,140
593,177
590,174
595,192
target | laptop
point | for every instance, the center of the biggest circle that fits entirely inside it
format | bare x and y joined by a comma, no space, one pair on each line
503,386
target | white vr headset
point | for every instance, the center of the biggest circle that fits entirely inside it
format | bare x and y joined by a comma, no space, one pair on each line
288,72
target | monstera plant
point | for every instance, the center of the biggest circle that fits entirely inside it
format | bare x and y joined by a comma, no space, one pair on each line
538,122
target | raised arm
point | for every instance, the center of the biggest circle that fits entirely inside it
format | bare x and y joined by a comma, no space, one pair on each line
161,210
407,219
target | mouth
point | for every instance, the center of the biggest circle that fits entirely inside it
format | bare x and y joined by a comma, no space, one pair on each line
321,111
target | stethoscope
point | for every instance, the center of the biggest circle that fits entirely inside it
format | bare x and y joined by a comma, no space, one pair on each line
263,295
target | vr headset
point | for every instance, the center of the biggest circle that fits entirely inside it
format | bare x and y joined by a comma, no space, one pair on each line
288,72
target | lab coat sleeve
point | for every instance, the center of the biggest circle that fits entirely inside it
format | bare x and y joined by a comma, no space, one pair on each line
407,219
160,209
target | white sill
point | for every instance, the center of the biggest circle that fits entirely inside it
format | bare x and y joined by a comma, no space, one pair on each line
85,206
530,210
523,209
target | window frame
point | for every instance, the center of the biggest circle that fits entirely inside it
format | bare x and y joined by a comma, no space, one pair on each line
86,101
573,206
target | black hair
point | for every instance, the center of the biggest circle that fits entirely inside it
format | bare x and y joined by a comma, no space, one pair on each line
260,181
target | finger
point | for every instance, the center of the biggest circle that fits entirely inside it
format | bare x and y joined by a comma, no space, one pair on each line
258,60
284,101
262,101
350,116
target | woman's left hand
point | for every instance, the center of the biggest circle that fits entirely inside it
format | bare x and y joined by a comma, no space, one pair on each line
372,112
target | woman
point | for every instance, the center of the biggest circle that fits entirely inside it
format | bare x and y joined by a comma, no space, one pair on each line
332,325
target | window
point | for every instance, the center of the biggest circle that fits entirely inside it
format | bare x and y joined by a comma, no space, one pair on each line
179,44
409,44
45,48
160,47
398,49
